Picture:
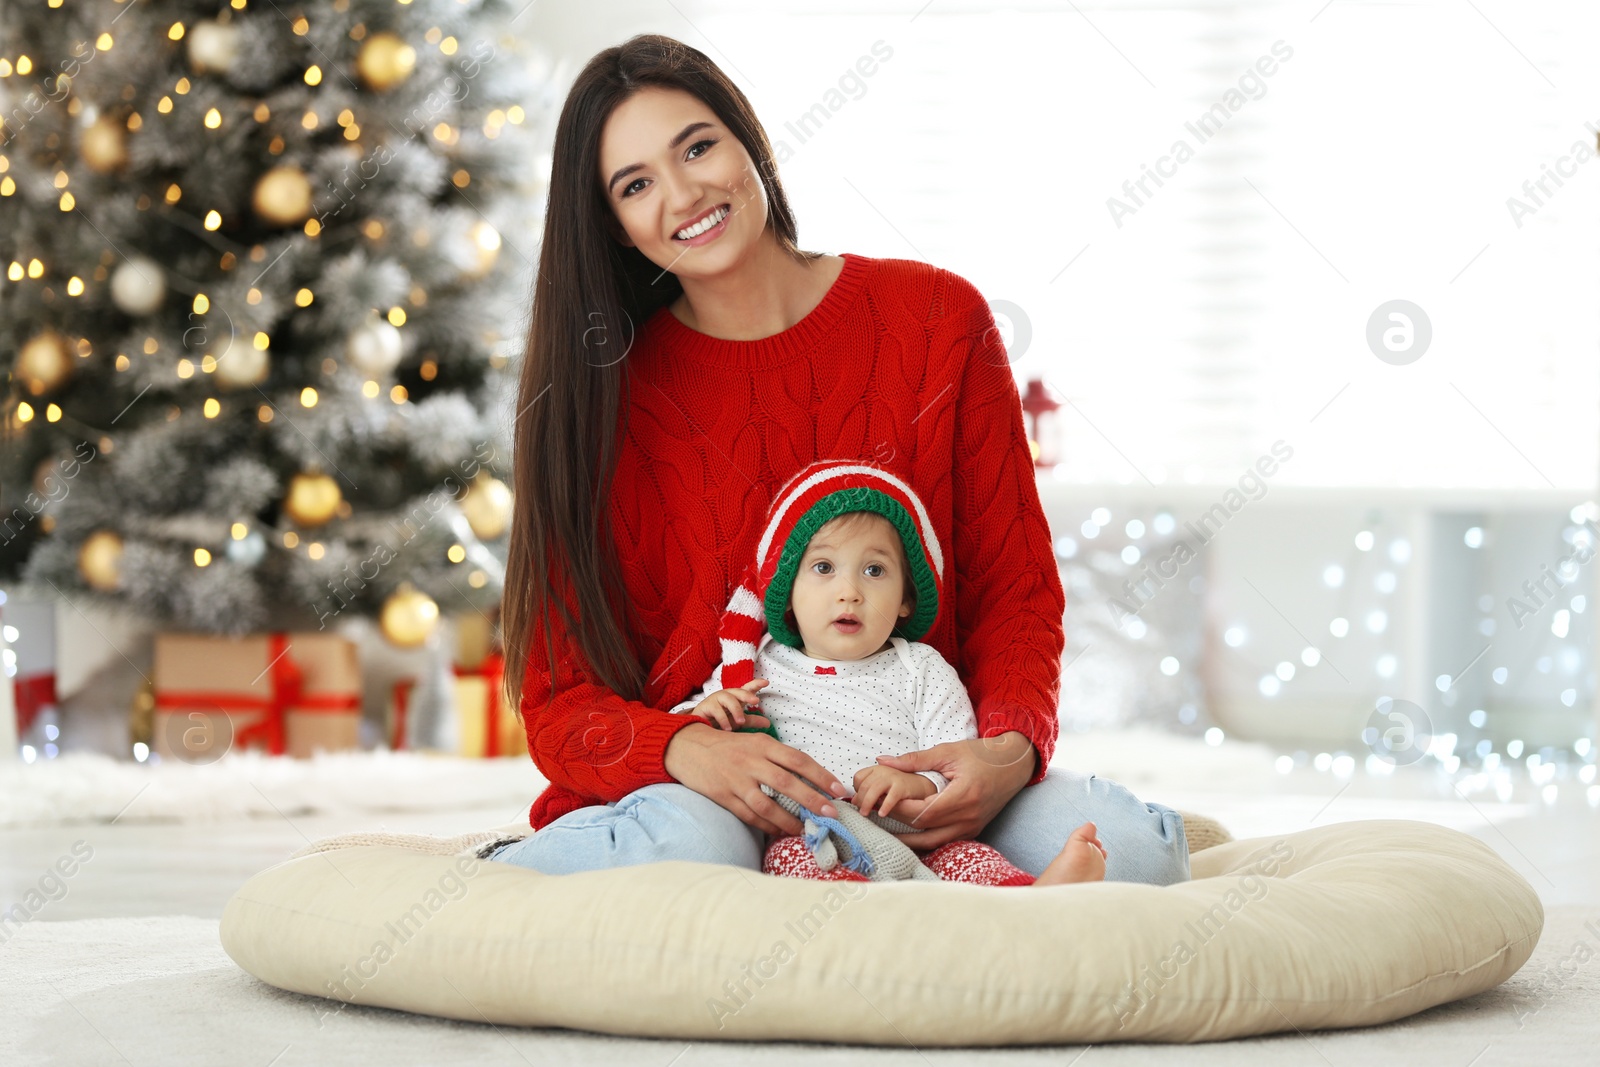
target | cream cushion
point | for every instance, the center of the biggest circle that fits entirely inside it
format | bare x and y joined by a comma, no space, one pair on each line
1344,925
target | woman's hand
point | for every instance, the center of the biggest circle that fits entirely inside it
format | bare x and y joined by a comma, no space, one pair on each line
984,774
730,768
883,787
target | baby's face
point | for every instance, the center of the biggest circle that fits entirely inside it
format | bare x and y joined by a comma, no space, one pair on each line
855,566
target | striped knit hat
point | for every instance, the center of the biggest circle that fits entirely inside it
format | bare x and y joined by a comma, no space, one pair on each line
821,492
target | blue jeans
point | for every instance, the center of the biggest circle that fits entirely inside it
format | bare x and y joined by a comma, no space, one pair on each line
1144,842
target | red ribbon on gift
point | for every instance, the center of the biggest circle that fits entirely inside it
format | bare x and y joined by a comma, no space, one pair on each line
288,681
34,693
401,688
491,670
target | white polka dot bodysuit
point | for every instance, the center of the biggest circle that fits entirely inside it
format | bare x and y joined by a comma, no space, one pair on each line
844,713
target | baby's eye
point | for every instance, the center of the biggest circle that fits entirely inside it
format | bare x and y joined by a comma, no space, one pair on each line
821,563
875,566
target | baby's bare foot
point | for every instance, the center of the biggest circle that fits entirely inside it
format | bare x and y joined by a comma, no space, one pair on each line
1082,859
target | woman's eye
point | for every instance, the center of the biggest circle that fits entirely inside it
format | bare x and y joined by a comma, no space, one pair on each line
630,188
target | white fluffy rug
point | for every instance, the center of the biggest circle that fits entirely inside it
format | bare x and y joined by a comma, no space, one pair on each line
84,788
162,991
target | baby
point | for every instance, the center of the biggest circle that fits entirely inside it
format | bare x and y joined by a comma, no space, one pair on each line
838,590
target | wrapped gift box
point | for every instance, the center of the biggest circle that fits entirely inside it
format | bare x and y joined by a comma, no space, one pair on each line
485,727
285,693
34,684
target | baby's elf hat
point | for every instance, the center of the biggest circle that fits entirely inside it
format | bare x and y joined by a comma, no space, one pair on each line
813,497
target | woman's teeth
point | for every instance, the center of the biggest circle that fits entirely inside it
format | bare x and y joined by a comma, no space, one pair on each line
702,226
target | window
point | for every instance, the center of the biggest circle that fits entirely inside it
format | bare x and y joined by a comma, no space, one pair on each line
1228,305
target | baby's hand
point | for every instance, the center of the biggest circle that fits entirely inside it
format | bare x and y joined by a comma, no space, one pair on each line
884,787
725,707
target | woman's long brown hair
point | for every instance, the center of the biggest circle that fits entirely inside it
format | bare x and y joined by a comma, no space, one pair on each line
590,294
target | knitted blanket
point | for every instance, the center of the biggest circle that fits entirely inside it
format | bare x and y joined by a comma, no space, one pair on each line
864,843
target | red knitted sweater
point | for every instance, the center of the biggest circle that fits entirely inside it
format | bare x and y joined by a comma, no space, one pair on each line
900,363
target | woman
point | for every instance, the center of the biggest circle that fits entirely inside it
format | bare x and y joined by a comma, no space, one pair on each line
685,357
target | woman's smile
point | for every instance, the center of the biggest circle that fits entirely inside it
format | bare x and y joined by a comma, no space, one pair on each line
706,228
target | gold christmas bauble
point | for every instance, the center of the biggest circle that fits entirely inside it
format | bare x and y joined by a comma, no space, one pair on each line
374,347
408,617
283,196
241,365
312,499
100,560
213,46
45,363
138,285
385,61
487,506
104,145
485,248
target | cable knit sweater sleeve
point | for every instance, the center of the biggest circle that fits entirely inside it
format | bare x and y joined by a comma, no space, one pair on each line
1008,596
589,742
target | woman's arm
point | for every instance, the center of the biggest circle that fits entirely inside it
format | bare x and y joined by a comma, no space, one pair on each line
1008,599
582,735
595,743
1005,589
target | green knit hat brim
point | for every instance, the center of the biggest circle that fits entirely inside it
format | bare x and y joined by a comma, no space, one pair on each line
830,507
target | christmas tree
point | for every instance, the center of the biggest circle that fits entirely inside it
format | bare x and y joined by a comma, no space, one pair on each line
256,311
